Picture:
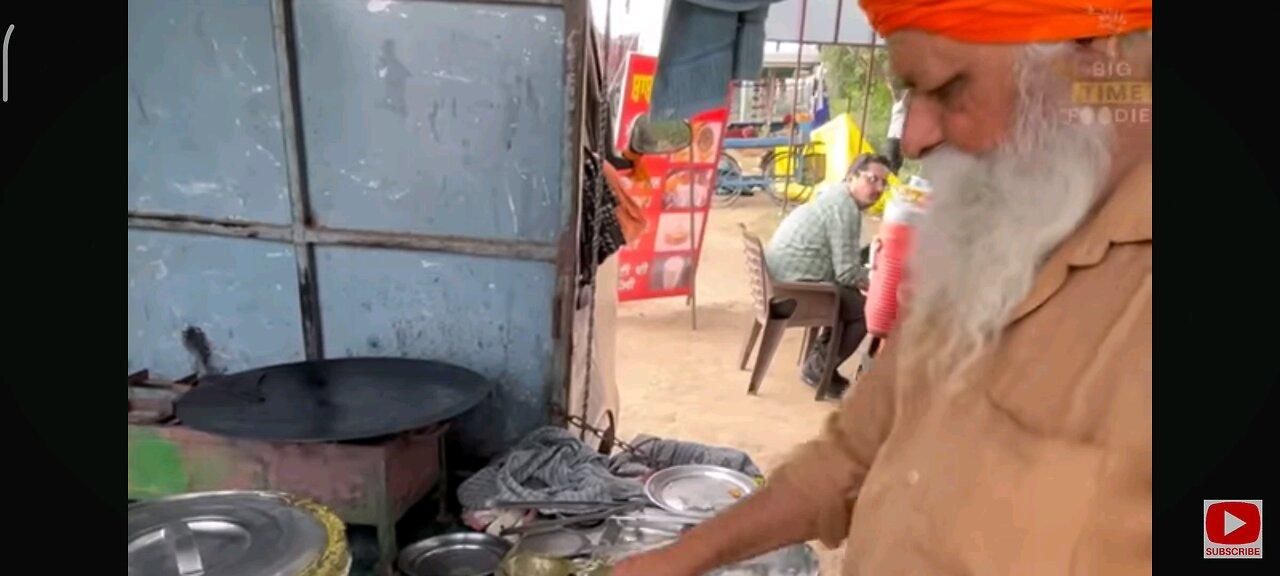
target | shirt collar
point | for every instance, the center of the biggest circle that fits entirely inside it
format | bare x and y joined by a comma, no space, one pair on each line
1123,218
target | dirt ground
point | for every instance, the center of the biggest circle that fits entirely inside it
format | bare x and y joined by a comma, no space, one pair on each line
677,382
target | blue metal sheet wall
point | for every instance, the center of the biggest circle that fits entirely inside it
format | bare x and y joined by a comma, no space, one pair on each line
205,132
349,178
490,315
242,294
448,128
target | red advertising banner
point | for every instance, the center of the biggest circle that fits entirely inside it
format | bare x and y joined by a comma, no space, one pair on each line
676,200
638,75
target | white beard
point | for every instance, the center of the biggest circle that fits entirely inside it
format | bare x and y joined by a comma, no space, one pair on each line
992,221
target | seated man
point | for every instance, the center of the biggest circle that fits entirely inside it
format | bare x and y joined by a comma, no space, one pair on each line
818,242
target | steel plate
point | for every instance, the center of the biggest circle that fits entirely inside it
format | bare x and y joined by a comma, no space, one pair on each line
697,489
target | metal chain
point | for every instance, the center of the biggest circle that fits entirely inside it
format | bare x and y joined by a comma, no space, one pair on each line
627,447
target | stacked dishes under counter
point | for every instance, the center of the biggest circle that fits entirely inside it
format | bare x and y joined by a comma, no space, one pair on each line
588,543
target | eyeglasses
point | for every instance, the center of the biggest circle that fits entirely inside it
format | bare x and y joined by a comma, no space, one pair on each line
872,178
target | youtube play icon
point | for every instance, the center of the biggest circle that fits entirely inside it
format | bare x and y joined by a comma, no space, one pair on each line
1232,528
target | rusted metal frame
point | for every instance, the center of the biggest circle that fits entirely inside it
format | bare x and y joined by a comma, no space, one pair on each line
210,226
596,81
795,103
564,304
510,249
295,160
543,3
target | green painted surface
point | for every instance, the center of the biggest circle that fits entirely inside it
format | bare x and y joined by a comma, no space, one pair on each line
214,469
155,465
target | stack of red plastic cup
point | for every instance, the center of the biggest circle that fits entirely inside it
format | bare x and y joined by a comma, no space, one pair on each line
888,265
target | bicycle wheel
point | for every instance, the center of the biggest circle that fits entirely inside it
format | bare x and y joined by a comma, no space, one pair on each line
784,190
774,168
728,181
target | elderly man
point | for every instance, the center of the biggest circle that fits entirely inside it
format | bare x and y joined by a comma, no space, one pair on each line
1007,429
818,242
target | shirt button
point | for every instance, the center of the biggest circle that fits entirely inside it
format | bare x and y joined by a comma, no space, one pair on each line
913,477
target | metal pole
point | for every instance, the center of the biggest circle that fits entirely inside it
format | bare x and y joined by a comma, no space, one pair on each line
693,250
839,11
740,90
768,101
795,101
848,95
866,96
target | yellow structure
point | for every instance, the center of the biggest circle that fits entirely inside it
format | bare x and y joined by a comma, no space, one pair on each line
838,140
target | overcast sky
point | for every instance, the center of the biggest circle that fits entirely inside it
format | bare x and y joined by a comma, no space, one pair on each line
643,18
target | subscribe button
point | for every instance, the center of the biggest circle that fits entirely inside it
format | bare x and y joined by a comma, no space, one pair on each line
1232,528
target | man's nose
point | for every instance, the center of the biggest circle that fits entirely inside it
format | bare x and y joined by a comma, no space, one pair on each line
923,130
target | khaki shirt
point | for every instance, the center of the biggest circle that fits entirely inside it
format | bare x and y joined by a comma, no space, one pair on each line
1042,465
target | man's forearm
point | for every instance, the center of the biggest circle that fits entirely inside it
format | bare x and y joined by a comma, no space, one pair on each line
768,520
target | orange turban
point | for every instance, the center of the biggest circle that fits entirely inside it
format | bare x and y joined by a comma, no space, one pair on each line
1010,21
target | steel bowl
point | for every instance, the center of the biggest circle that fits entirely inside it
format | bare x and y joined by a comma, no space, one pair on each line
457,554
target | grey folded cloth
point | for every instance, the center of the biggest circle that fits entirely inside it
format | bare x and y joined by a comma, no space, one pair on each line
551,464
548,464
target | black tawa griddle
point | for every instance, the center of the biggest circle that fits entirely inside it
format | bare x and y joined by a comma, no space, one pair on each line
332,400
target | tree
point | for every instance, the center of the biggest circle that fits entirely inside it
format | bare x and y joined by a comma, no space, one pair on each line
847,68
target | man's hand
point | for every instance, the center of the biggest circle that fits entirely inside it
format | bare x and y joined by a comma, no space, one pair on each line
862,284
666,561
765,521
